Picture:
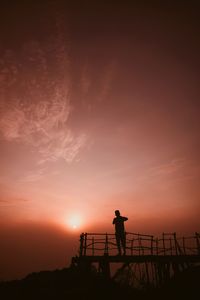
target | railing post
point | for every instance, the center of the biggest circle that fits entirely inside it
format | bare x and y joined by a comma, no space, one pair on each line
157,246
139,243
81,244
152,245
85,244
163,243
142,248
132,247
106,245
184,250
175,241
93,246
198,242
171,248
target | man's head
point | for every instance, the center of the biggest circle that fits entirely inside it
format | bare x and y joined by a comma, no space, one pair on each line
117,213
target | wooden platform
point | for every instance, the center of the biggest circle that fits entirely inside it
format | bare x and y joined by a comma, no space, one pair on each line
148,259
139,259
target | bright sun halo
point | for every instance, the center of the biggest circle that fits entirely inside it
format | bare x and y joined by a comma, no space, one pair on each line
75,221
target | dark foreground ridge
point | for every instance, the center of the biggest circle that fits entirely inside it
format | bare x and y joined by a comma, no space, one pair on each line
71,283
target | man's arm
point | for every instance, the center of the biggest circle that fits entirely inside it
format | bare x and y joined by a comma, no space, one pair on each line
125,218
113,221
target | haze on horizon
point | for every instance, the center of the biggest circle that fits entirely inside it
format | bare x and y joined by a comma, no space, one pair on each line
99,110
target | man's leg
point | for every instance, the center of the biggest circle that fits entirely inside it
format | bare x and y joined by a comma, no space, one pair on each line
118,243
123,241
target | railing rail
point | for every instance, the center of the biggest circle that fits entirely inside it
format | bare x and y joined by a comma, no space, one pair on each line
92,244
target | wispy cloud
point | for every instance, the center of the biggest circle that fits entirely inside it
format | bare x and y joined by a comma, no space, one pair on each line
168,168
8,201
35,102
171,173
34,176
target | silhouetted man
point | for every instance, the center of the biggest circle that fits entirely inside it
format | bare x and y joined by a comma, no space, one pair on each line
120,234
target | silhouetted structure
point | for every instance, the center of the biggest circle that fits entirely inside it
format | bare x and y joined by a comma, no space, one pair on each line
120,234
148,260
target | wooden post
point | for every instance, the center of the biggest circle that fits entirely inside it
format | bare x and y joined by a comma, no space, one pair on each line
175,241
142,246
147,272
132,246
106,245
139,243
156,246
163,244
154,273
93,246
152,245
184,250
85,244
198,242
81,244
171,249
104,266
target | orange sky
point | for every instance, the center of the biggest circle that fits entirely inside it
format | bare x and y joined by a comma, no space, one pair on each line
99,110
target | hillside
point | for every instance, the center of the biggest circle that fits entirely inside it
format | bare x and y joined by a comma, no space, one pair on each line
70,283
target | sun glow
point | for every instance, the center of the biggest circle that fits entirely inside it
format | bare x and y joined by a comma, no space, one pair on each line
75,221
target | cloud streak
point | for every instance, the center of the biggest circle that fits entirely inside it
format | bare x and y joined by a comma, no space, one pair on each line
169,168
35,109
7,201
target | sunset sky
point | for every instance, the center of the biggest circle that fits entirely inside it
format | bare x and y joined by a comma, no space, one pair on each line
99,110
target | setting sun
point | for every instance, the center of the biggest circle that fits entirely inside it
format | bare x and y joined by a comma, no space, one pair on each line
75,221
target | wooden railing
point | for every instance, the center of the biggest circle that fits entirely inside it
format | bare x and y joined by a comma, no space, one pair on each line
95,244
